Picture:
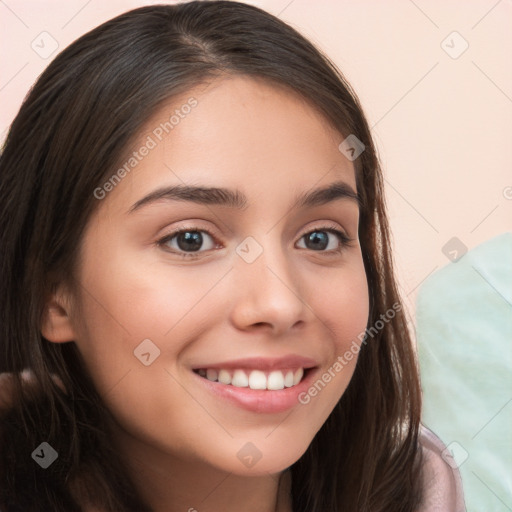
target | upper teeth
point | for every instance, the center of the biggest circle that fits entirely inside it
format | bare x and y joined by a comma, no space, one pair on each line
255,379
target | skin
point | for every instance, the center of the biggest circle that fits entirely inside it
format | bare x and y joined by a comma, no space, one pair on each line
180,441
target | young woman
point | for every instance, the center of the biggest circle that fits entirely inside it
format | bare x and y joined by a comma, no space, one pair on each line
198,304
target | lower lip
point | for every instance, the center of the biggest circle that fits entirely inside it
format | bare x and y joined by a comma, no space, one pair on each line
260,400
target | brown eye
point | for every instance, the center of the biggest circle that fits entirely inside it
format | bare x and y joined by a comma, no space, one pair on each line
185,242
319,240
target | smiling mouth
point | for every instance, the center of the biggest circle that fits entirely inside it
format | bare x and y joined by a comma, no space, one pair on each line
255,379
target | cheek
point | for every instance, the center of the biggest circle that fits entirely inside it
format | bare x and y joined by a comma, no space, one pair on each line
126,302
137,323
343,309
140,296
341,302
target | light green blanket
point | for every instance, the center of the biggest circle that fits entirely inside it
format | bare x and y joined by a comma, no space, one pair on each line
464,335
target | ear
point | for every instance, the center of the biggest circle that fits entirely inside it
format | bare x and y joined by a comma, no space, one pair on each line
56,325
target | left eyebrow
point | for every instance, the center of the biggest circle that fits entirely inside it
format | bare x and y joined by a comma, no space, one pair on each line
321,196
238,200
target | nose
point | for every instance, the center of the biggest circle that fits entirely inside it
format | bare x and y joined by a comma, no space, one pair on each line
267,294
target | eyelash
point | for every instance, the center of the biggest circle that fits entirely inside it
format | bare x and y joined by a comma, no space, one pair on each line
344,239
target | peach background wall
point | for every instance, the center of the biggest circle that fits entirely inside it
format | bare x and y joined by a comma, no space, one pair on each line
434,78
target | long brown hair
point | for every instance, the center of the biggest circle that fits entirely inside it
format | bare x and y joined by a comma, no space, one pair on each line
71,131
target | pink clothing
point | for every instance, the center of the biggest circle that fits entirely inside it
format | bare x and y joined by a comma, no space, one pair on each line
441,479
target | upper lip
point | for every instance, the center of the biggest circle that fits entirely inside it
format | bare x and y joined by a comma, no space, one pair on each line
263,363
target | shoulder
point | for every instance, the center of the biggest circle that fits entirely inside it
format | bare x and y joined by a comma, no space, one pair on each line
442,485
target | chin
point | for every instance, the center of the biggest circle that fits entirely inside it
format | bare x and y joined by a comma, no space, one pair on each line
261,457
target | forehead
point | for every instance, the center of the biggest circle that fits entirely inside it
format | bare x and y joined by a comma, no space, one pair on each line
235,131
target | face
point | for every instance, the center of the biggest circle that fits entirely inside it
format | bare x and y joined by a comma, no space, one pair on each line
261,289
